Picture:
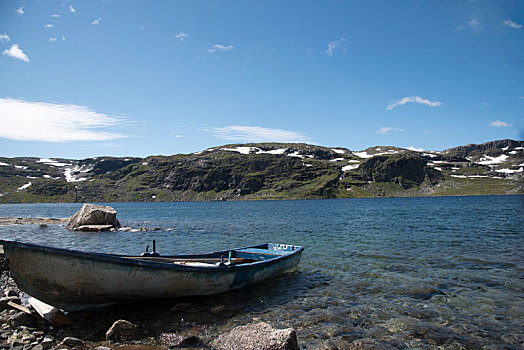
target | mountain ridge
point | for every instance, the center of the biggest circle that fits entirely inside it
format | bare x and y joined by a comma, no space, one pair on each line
268,171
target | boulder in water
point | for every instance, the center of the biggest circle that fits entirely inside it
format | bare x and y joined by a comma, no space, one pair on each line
93,217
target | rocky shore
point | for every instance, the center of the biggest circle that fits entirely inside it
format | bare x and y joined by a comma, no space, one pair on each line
31,221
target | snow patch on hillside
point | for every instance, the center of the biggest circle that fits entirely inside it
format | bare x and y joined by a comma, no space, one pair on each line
350,167
510,171
487,160
364,154
52,162
71,174
274,151
4,164
240,149
296,154
248,150
23,187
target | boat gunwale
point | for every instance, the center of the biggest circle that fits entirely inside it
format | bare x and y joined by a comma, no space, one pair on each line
130,261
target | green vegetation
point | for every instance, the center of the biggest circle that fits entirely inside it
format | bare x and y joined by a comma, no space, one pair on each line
292,171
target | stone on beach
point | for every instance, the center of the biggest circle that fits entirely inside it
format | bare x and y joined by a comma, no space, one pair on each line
259,336
93,218
122,330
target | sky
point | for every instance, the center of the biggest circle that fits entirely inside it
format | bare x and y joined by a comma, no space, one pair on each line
82,79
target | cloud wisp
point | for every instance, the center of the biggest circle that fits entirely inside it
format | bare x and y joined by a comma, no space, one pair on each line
222,48
50,122
72,9
511,24
386,130
335,45
413,99
97,21
16,52
20,11
241,133
499,124
473,25
4,38
181,36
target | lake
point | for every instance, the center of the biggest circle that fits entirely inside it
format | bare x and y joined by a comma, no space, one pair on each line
397,272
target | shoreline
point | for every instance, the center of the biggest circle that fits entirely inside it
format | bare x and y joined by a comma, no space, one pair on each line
5,221
250,200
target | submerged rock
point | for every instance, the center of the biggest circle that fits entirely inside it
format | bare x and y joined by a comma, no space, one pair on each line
93,217
259,336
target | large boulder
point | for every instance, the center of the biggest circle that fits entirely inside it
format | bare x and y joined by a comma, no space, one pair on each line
258,336
93,217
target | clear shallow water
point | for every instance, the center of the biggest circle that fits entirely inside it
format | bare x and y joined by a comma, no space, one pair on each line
399,272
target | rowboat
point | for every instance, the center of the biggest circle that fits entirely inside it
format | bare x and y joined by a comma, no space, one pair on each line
74,280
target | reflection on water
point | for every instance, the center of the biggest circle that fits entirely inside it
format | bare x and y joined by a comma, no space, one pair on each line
406,273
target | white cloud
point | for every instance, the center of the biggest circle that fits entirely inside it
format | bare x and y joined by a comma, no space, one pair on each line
182,36
53,39
72,9
218,47
459,27
240,133
473,25
413,99
412,148
386,130
498,124
41,121
339,44
511,24
4,37
97,21
20,11
48,26
55,15
16,52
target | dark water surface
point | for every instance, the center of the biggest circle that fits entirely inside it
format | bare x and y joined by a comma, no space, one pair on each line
399,272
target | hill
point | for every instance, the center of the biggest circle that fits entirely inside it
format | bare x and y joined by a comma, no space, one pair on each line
268,171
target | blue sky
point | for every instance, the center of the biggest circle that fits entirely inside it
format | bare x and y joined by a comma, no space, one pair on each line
136,78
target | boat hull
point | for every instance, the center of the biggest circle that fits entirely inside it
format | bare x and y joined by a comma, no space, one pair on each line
74,280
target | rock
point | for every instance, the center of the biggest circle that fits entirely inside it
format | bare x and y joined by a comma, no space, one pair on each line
259,336
122,330
21,319
95,228
179,340
47,343
71,342
103,348
11,292
93,215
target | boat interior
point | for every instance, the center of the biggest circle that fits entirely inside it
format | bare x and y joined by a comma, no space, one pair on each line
232,257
